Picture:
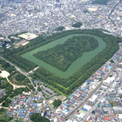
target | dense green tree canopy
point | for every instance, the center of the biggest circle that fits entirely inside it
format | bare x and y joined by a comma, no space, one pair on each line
60,28
38,118
86,71
8,87
57,103
2,110
86,11
19,91
20,77
66,86
62,56
112,61
77,24
6,103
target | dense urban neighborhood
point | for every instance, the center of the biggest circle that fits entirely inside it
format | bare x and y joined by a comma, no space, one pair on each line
60,60
44,16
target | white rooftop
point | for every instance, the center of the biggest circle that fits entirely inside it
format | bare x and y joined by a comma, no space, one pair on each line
120,116
109,80
102,100
93,98
88,107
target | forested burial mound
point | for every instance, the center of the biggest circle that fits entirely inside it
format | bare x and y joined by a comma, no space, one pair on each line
63,55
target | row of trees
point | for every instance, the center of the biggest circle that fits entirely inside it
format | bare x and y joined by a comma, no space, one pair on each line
62,56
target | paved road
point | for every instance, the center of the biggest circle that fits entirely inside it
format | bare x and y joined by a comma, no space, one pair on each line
28,18
3,107
109,15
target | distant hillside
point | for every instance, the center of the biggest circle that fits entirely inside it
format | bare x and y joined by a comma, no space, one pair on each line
101,2
14,0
